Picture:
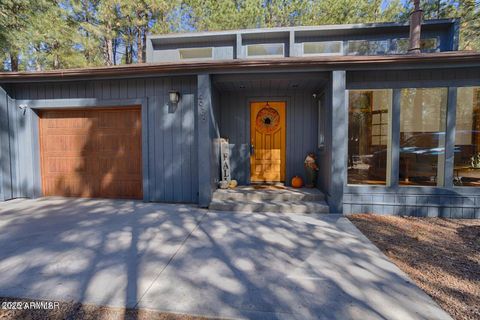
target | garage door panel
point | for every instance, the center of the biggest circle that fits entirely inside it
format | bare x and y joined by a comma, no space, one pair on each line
74,119
70,186
119,120
120,166
91,153
120,189
65,143
119,144
65,165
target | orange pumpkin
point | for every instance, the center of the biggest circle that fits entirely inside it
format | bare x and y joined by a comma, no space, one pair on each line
297,182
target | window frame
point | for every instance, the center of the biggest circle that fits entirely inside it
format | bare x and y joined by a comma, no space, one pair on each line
392,187
390,138
196,58
340,53
394,45
282,55
453,119
442,166
370,52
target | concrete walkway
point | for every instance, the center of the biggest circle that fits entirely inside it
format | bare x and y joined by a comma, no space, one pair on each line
182,259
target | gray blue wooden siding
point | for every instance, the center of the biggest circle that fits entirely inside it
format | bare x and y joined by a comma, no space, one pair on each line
172,143
301,127
16,150
208,144
5,172
325,153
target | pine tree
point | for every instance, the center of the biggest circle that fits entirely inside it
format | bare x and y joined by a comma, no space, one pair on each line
50,39
14,19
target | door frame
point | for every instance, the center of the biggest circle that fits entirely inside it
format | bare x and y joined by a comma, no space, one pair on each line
285,99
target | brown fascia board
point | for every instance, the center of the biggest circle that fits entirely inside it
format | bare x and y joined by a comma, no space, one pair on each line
442,59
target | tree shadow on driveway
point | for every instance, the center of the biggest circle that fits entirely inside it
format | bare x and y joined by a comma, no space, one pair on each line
178,258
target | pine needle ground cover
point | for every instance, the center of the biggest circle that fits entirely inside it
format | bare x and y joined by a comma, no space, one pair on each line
442,256
78,311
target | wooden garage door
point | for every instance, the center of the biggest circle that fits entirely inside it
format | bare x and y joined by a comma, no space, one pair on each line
91,153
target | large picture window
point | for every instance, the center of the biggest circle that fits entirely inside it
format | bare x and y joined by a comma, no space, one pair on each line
467,138
368,136
422,136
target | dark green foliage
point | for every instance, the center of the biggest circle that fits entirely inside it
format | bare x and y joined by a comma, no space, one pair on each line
54,34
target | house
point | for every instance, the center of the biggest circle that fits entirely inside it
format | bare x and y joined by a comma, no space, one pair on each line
394,133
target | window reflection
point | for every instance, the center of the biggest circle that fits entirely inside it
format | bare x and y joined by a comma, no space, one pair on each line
368,136
422,135
467,138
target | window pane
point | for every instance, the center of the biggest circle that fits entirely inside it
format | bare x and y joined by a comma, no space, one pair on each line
426,45
269,49
324,47
422,135
365,47
400,45
467,138
368,136
378,47
358,47
196,53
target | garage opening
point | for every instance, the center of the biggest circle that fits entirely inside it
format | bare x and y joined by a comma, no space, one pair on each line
94,153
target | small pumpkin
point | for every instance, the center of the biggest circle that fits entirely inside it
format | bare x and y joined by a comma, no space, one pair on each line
233,184
297,182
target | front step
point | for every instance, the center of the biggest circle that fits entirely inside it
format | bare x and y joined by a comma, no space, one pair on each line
280,200
249,193
270,206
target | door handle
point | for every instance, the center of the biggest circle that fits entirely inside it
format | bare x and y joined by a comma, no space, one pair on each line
252,149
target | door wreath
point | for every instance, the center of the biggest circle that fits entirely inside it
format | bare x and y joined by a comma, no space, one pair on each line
268,120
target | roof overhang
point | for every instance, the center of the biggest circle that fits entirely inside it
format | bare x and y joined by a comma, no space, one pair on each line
456,59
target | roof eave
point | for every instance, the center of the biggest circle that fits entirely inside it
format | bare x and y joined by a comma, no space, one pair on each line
433,60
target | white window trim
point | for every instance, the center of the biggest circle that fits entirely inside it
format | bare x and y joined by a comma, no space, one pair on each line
341,53
265,55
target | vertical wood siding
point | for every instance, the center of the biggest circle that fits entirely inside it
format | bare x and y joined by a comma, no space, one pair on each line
412,78
5,174
171,136
302,115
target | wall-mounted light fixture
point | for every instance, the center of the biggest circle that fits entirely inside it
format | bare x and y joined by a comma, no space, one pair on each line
23,107
174,98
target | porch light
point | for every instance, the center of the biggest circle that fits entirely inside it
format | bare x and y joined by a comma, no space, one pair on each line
174,97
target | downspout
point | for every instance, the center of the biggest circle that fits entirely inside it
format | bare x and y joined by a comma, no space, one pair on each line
415,28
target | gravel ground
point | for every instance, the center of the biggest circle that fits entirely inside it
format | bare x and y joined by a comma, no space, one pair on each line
77,311
442,256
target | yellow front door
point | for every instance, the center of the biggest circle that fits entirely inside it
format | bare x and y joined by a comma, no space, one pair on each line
267,138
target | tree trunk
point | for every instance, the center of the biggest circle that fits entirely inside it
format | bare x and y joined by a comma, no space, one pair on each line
13,61
144,46
56,62
140,57
128,54
114,51
108,51
56,56
131,53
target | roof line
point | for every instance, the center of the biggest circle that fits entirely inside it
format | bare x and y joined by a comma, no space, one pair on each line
445,59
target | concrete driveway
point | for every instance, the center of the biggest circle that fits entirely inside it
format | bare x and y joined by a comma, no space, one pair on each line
182,259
